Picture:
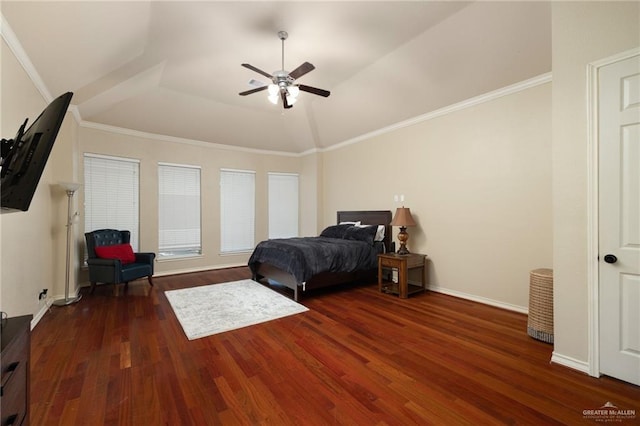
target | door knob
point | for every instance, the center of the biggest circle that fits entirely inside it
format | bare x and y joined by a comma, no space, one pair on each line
610,258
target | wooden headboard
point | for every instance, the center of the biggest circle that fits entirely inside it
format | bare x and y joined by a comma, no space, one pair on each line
370,217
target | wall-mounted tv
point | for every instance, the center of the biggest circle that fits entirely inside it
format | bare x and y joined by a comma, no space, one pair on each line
23,158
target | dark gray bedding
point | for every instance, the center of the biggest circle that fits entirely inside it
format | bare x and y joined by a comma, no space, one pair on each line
307,256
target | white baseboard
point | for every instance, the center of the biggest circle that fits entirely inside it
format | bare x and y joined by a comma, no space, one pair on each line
197,269
556,358
184,271
48,302
567,361
479,299
43,310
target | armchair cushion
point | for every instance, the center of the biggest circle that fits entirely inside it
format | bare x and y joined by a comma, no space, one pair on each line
123,252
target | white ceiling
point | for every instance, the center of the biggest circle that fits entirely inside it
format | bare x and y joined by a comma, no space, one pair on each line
173,68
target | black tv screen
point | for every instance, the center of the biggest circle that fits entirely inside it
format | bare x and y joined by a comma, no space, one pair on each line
25,156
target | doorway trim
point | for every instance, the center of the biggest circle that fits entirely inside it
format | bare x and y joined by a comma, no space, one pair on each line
593,141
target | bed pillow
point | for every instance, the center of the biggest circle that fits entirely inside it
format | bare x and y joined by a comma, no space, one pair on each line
364,233
335,231
379,233
124,252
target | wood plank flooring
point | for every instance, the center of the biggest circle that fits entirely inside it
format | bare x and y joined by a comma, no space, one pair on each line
357,357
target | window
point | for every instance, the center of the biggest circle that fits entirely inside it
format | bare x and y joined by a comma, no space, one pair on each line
237,210
111,194
283,205
178,211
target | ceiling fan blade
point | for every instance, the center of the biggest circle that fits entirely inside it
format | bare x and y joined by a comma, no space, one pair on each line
258,70
256,83
283,94
248,92
301,70
314,90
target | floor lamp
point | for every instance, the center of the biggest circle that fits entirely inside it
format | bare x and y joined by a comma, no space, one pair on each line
70,188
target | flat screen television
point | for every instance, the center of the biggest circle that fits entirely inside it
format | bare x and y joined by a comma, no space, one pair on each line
24,157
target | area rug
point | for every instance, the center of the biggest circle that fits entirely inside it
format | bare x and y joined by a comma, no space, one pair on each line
211,309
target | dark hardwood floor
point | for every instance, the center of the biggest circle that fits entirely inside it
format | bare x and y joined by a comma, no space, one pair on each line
357,357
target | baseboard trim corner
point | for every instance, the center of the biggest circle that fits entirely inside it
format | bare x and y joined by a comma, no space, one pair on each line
43,310
567,361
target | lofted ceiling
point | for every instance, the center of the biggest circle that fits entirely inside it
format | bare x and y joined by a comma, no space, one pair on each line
174,68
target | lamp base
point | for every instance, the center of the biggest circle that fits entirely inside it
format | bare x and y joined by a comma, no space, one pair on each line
68,301
403,236
403,250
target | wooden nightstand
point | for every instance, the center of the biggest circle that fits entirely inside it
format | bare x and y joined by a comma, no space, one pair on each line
403,263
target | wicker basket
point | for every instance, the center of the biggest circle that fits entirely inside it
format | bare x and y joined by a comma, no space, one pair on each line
540,323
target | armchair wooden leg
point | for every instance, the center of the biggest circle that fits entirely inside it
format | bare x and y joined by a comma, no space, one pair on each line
93,287
150,280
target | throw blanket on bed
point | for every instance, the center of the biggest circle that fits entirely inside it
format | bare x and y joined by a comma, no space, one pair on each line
307,256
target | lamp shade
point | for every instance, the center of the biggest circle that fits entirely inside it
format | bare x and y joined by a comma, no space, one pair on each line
294,91
69,186
403,217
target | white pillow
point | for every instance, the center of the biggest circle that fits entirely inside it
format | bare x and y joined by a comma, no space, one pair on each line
350,223
379,233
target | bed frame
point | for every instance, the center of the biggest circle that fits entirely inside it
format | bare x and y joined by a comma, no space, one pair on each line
326,279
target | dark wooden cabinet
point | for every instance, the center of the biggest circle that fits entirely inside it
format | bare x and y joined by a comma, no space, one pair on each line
15,336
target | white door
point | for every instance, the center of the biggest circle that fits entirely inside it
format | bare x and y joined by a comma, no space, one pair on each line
619,216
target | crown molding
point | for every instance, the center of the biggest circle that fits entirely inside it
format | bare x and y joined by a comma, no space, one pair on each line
487,97
18,51
468,103
174,139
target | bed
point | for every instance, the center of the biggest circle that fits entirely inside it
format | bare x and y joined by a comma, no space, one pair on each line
340,254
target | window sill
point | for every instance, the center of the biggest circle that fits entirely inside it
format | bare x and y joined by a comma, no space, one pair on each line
235,253
178,258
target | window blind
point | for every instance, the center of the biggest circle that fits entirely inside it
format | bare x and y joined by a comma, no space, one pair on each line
283,205
178,210
111,194
237,210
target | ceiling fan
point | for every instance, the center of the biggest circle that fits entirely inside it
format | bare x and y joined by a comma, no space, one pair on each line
283,84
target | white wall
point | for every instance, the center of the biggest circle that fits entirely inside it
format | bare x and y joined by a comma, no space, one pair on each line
478,182
583,32
33,242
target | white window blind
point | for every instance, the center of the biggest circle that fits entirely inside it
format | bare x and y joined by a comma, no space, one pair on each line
111,194
237,210
178,210
283,205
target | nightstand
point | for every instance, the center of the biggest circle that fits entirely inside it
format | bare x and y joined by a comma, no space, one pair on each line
403,263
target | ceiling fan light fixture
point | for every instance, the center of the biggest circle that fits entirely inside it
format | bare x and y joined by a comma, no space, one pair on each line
273,90
291,100
273,99
294,91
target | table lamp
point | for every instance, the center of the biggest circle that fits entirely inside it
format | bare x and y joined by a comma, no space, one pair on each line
403,218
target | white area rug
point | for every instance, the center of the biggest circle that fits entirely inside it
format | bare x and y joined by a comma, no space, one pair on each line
211,309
